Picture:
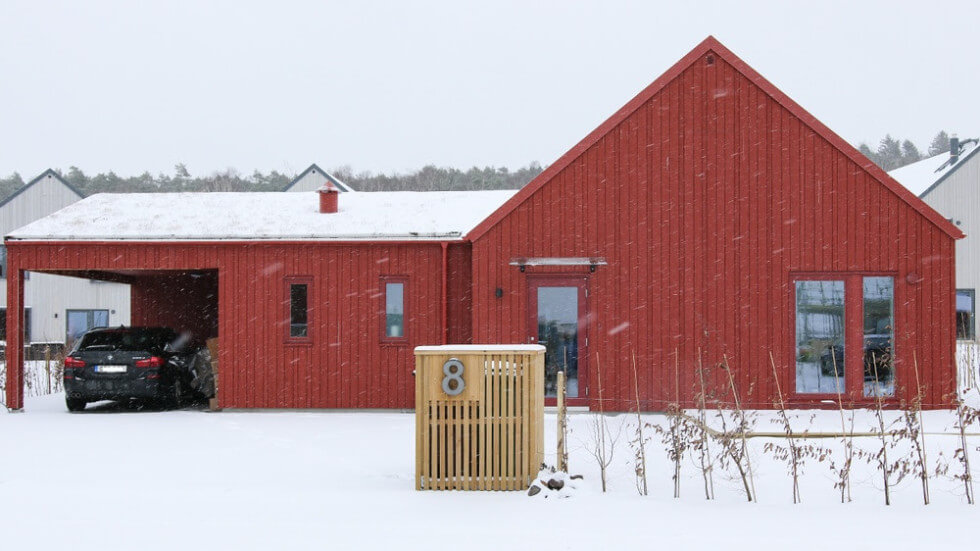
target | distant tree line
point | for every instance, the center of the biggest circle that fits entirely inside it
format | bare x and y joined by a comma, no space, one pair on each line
892,154
889,155
433,178
428,178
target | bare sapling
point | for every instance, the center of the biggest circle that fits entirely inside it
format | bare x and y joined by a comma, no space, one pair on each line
676,437
702,443
790,454
640,440
882,455
920,432
603,446
674,411
966,416
847,440
743,428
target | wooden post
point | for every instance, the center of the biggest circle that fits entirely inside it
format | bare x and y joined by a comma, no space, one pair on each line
47,364
562,424
15,335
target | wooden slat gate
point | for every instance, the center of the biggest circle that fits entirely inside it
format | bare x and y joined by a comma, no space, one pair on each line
478,419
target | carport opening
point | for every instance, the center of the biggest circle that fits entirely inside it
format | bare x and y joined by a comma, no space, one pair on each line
183,300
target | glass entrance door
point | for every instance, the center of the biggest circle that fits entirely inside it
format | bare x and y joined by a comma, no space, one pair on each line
558,315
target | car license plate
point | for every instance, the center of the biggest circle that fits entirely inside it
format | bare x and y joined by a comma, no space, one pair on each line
110,369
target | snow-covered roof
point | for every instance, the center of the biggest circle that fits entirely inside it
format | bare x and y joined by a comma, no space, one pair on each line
918,177
266,216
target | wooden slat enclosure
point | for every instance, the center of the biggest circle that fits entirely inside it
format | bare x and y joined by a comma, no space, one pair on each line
491,435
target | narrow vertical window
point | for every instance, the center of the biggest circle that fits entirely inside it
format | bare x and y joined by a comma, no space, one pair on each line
298,301
879,336
298,314
820,324
965,312
394,300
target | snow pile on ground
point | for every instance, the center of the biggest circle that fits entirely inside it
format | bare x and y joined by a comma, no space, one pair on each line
553,483
112,477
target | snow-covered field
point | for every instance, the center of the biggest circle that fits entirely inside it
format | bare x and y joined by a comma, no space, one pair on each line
112,478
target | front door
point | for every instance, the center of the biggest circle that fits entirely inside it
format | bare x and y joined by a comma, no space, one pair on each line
558,321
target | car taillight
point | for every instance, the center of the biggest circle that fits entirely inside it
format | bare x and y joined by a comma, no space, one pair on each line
73,362
152,361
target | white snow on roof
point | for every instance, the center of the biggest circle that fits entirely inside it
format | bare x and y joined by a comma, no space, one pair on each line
267,216
919,176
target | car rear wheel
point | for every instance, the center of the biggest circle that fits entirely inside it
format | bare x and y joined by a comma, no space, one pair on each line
75,404
177,398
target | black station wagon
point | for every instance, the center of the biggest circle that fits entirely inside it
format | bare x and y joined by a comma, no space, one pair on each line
154,364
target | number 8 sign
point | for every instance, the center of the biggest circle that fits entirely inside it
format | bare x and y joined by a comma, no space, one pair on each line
452,383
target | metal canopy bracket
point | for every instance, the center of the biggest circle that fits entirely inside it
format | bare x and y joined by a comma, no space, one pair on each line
591,262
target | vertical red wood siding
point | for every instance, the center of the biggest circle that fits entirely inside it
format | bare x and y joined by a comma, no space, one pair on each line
180,300
704,201
344,366
706,195
460,294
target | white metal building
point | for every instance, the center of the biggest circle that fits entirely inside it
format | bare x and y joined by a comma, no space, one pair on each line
57,307
950,183
313,178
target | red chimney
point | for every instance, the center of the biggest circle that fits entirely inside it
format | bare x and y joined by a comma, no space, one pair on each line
328,198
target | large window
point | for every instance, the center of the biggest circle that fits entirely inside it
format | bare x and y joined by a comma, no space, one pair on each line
298,312
394,314
78,322
879,336
820,317
965,312
833,314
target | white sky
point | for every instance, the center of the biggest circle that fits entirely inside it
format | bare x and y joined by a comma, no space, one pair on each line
132,86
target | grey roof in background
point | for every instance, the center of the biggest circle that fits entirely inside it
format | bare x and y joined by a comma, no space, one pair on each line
313,168
27,186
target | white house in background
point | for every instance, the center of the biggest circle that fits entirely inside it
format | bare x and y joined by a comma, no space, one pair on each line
950,183
313,178
57,308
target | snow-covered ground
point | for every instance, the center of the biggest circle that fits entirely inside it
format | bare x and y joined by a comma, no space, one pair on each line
40,378
112,478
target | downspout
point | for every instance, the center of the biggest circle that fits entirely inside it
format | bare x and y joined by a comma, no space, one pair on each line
445,292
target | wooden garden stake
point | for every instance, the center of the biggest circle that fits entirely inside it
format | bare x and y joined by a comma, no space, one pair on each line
562,424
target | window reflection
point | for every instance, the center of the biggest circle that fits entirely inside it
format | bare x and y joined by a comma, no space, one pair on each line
965,309
879,335
820,336
395,310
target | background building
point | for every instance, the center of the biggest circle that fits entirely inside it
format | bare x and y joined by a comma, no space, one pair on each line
56,308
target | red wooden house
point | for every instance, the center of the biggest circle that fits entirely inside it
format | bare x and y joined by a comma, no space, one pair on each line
710,226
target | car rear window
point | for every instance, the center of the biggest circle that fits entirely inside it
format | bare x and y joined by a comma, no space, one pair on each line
126,340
